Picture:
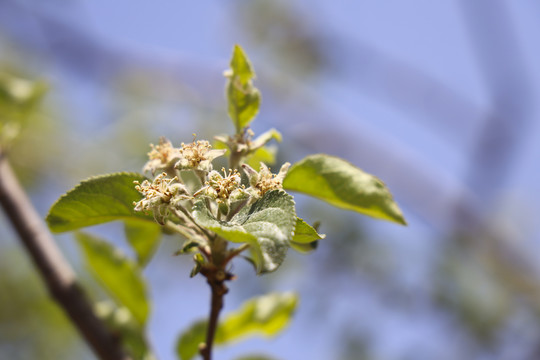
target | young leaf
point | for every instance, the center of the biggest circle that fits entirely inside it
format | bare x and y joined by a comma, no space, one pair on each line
97,200
305,233
243,98
144,237
305,238
342,184
267,226
119,276
265,316
304,248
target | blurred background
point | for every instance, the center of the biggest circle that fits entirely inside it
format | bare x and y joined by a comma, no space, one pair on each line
437,98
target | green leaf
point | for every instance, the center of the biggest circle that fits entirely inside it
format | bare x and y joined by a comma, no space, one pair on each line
187,346
305,238
199,261
144,237
267,226
304,248
342,184
264,316
305,233
243,98
97,200
265,154
120,321
240,65
120,276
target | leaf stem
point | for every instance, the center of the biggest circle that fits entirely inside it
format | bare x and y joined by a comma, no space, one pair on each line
235,159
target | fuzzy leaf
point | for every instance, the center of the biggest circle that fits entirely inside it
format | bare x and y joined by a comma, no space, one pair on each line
144,237
264,316
97,200
243,98
267,226
120,277
342,184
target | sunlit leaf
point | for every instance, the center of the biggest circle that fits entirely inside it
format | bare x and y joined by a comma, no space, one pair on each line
243,98
144,237
267,226
305,237
305,233
120,277
342,184
97,200
241,66
262,316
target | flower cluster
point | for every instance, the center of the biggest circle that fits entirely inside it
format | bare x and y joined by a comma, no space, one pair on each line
168,195
162,157
264,181
223,188
197,155
160,195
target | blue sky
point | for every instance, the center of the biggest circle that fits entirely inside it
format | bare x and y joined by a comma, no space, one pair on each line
388,123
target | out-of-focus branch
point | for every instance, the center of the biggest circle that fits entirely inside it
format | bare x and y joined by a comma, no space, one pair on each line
54,269
508,80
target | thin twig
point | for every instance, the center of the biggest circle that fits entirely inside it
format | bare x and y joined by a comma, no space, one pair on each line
216,279
191,219
233,253
53,268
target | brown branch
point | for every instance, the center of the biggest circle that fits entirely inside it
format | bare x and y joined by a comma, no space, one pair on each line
216,279
54,269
